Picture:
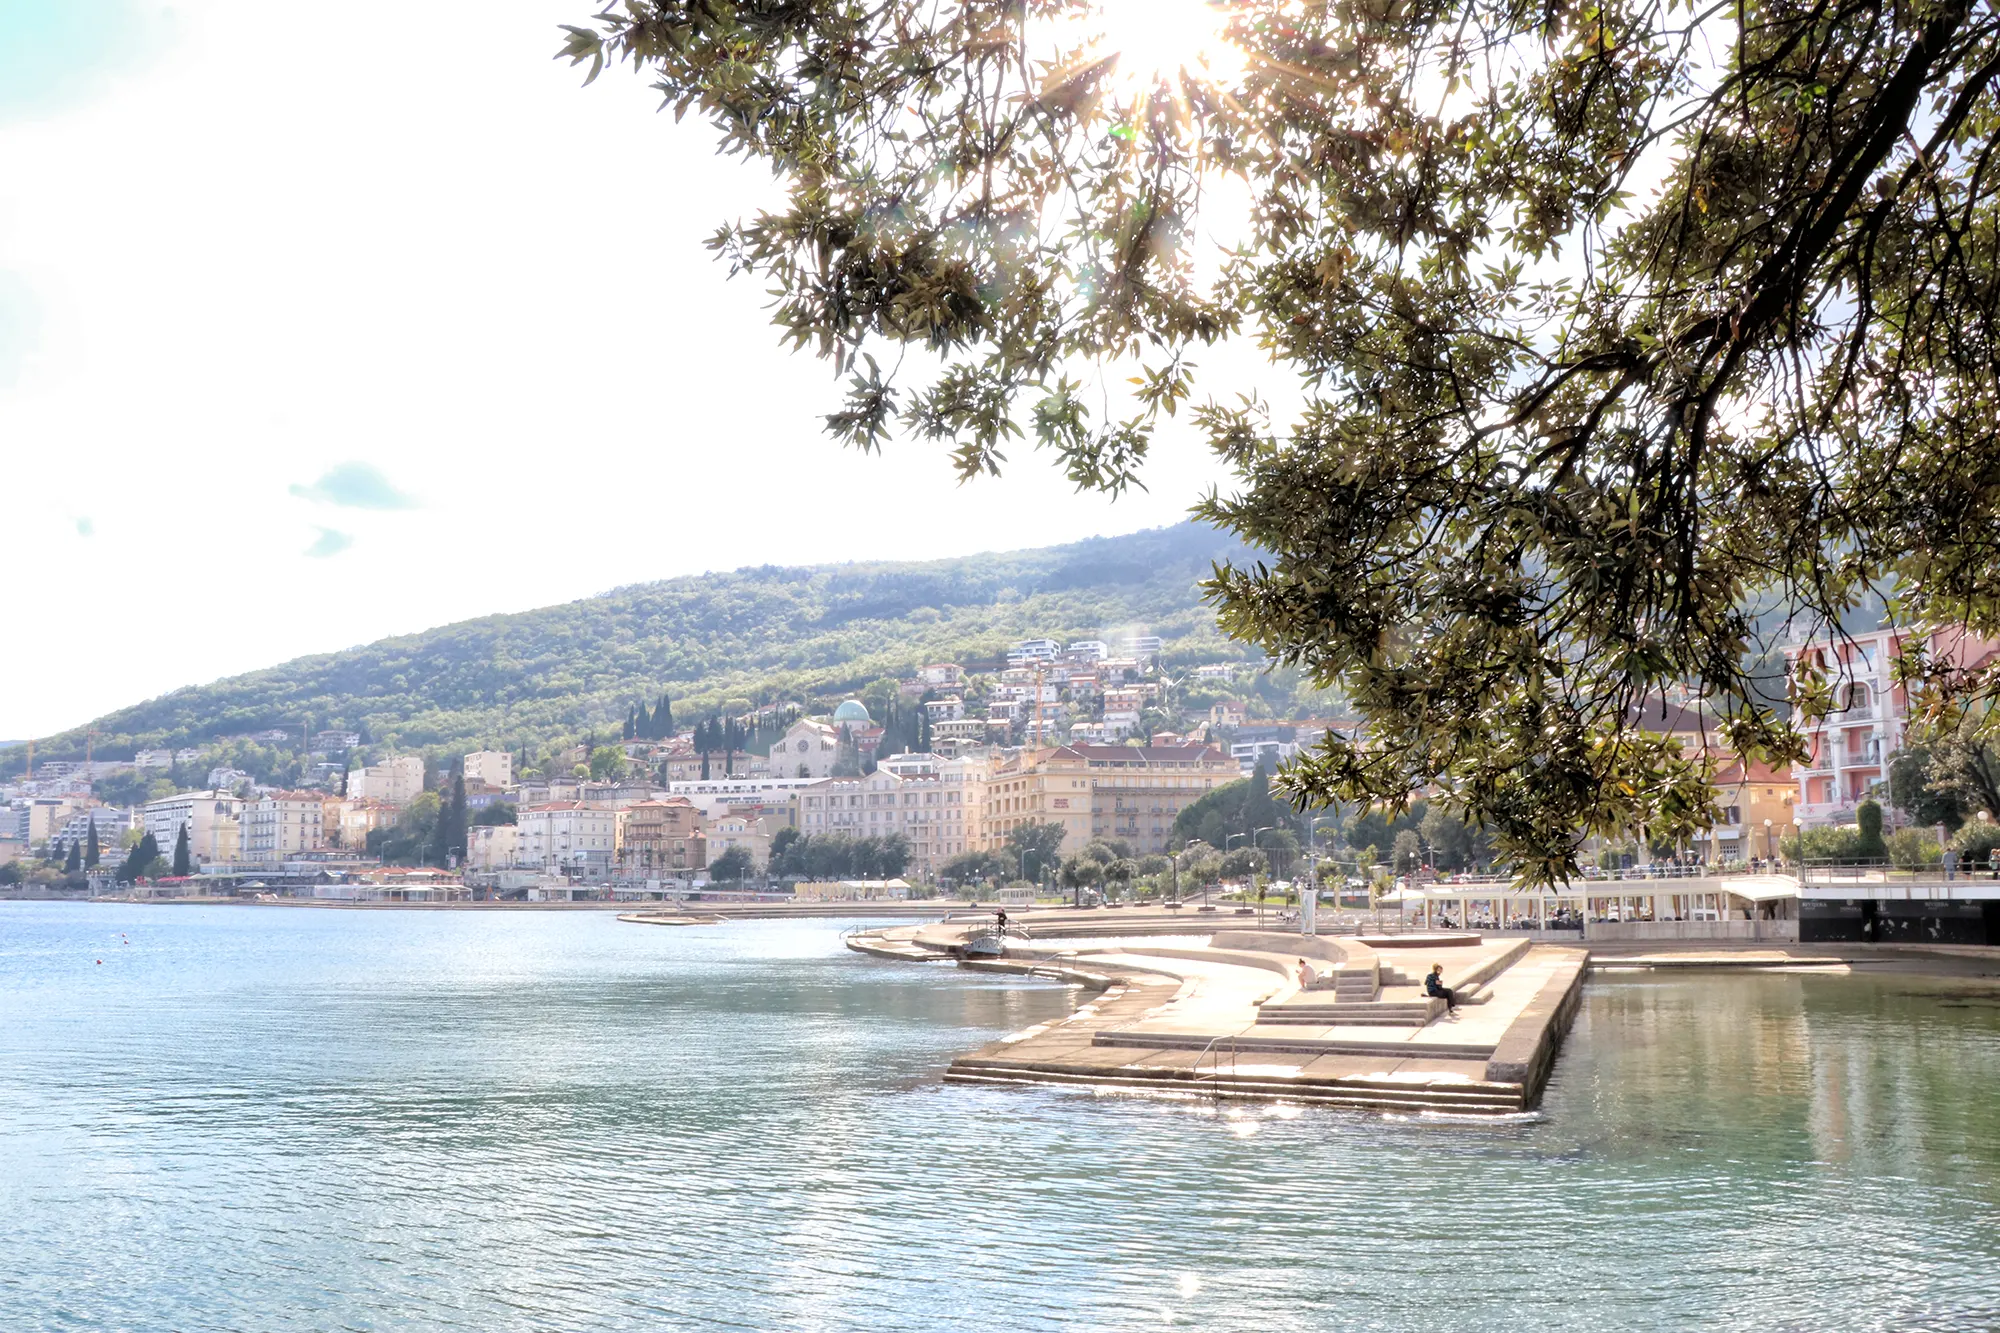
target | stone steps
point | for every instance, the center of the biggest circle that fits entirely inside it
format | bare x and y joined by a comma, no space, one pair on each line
898,949
1241,1045
1349,1015
1361,1094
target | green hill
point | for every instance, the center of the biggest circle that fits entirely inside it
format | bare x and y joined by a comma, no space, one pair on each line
740,638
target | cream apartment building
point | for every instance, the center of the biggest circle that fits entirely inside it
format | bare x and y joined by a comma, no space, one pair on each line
280,825
397,781
567,837
1129,792
934,803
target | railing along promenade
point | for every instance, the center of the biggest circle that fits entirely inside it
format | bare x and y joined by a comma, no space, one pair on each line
1848,879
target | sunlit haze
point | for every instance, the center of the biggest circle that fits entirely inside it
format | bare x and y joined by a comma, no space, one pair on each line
320,324
1159,41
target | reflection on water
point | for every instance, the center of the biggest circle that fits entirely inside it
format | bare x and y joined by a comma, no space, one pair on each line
281,1119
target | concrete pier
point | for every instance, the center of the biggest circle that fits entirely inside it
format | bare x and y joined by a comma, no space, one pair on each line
1229,1015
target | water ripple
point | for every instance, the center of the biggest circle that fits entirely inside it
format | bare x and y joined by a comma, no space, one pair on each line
288,1120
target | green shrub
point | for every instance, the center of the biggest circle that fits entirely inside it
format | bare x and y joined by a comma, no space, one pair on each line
1976,841
1824,844
1914,848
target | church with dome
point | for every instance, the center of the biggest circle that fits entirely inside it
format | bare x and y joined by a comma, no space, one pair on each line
811,748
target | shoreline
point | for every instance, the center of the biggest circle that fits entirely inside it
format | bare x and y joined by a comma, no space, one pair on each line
1228,1018
925,910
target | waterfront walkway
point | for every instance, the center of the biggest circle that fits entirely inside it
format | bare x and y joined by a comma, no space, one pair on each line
1214,1007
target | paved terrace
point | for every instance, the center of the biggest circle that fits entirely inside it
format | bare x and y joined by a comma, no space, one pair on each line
1224,1014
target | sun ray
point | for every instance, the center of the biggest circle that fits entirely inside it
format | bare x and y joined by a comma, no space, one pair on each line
1137,50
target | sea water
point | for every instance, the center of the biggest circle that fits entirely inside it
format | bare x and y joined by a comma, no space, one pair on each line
271,1118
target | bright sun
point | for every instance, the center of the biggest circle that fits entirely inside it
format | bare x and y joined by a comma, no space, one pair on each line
1158,41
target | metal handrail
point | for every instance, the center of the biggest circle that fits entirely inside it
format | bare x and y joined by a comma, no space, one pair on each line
1215,1070
1885,872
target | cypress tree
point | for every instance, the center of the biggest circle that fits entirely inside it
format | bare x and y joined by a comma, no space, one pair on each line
183,858
91,851
643,729
459,819
1259,810
149,851
74,861
663,716
435,846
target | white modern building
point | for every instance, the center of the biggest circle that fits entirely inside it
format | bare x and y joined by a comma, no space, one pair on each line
720,795
495,768
111,821
1029,651
210,818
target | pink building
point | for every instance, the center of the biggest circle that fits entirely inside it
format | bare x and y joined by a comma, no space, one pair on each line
1853,745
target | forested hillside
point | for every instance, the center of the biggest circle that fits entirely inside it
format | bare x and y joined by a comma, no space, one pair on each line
733,639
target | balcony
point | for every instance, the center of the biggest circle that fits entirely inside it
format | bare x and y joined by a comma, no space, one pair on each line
1868,756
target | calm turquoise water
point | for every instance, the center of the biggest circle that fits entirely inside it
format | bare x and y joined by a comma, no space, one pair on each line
274,1119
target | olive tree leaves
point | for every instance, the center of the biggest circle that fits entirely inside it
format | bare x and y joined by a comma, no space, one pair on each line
1628,329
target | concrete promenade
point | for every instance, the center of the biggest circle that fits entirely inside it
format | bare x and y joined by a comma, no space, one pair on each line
1216,1008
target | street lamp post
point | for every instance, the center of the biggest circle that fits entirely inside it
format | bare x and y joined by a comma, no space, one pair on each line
1253,874
1309,900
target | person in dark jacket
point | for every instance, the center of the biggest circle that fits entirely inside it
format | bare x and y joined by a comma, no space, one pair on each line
1434,986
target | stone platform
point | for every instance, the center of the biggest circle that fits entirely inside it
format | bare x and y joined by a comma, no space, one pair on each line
1233,1015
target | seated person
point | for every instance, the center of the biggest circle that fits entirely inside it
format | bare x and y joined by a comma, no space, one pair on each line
1434,986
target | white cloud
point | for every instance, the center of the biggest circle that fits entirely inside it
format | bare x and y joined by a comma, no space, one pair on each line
330,543
295,239
354,485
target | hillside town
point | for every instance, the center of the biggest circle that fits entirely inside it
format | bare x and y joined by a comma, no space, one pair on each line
944,780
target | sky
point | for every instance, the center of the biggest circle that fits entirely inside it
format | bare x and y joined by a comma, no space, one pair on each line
320,323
